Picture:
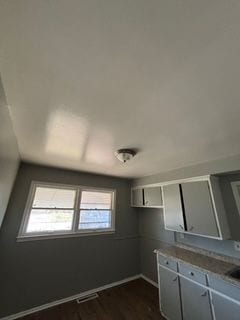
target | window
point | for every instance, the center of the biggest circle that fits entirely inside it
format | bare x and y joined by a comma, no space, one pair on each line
95,210
65,210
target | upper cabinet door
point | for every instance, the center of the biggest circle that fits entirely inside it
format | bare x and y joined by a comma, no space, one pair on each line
198,208
137,197
153,197
173,214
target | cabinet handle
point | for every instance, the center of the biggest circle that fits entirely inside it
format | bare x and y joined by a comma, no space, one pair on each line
167,262
191,273
181,227
204,294
175,279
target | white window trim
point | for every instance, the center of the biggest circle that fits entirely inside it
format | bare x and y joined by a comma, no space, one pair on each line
74,232
234,185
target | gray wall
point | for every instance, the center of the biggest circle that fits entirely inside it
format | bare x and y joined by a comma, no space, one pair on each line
153,225
36,272
9,157
219,166
152,236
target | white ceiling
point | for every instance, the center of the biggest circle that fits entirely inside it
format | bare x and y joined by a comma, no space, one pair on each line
84,78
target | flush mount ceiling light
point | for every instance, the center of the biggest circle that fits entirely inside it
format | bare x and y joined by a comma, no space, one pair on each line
125,155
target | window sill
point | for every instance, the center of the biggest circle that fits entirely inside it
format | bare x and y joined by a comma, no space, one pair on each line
64,235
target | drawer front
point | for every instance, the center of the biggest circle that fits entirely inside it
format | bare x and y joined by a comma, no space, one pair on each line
192,273
224,287
167,262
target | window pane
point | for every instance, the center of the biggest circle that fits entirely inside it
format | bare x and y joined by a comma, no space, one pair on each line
96,200
49,220
93,219
53,198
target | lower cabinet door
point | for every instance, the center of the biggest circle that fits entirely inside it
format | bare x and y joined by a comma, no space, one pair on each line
170,303
224,308
195,301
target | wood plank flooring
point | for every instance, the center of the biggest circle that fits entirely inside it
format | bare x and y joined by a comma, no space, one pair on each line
134,300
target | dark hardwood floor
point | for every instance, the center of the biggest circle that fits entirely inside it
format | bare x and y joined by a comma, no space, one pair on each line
134,300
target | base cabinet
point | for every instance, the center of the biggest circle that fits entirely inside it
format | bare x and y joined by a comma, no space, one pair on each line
188,293
170,302
195,301
225,308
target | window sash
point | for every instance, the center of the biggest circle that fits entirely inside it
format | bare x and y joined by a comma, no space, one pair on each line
55,192
75,230
48,223
92,222
95,207
51,208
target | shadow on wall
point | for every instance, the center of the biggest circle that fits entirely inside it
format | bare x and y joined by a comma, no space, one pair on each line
9,155
152,236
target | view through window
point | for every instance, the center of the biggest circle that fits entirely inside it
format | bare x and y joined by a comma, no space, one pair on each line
95,210
63,210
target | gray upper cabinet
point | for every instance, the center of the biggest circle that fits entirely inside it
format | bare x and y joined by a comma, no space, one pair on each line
137,197
170,303
173,213
198,207
225,308
152,196
193,205
195,301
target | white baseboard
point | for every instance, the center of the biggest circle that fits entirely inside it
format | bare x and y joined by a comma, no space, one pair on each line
77,296
55,303
155,284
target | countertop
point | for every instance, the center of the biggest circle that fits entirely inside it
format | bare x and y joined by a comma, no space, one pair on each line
207,262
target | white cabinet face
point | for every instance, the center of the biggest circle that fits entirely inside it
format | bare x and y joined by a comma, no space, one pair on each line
225,308
169,294
137,197
198,208
153,197
173,214
195,301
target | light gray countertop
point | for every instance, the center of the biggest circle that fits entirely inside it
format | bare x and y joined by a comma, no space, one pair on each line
203,260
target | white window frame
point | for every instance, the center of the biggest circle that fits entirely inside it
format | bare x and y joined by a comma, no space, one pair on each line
234,185
23,235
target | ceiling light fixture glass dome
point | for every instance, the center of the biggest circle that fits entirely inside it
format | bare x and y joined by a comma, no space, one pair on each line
125,155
